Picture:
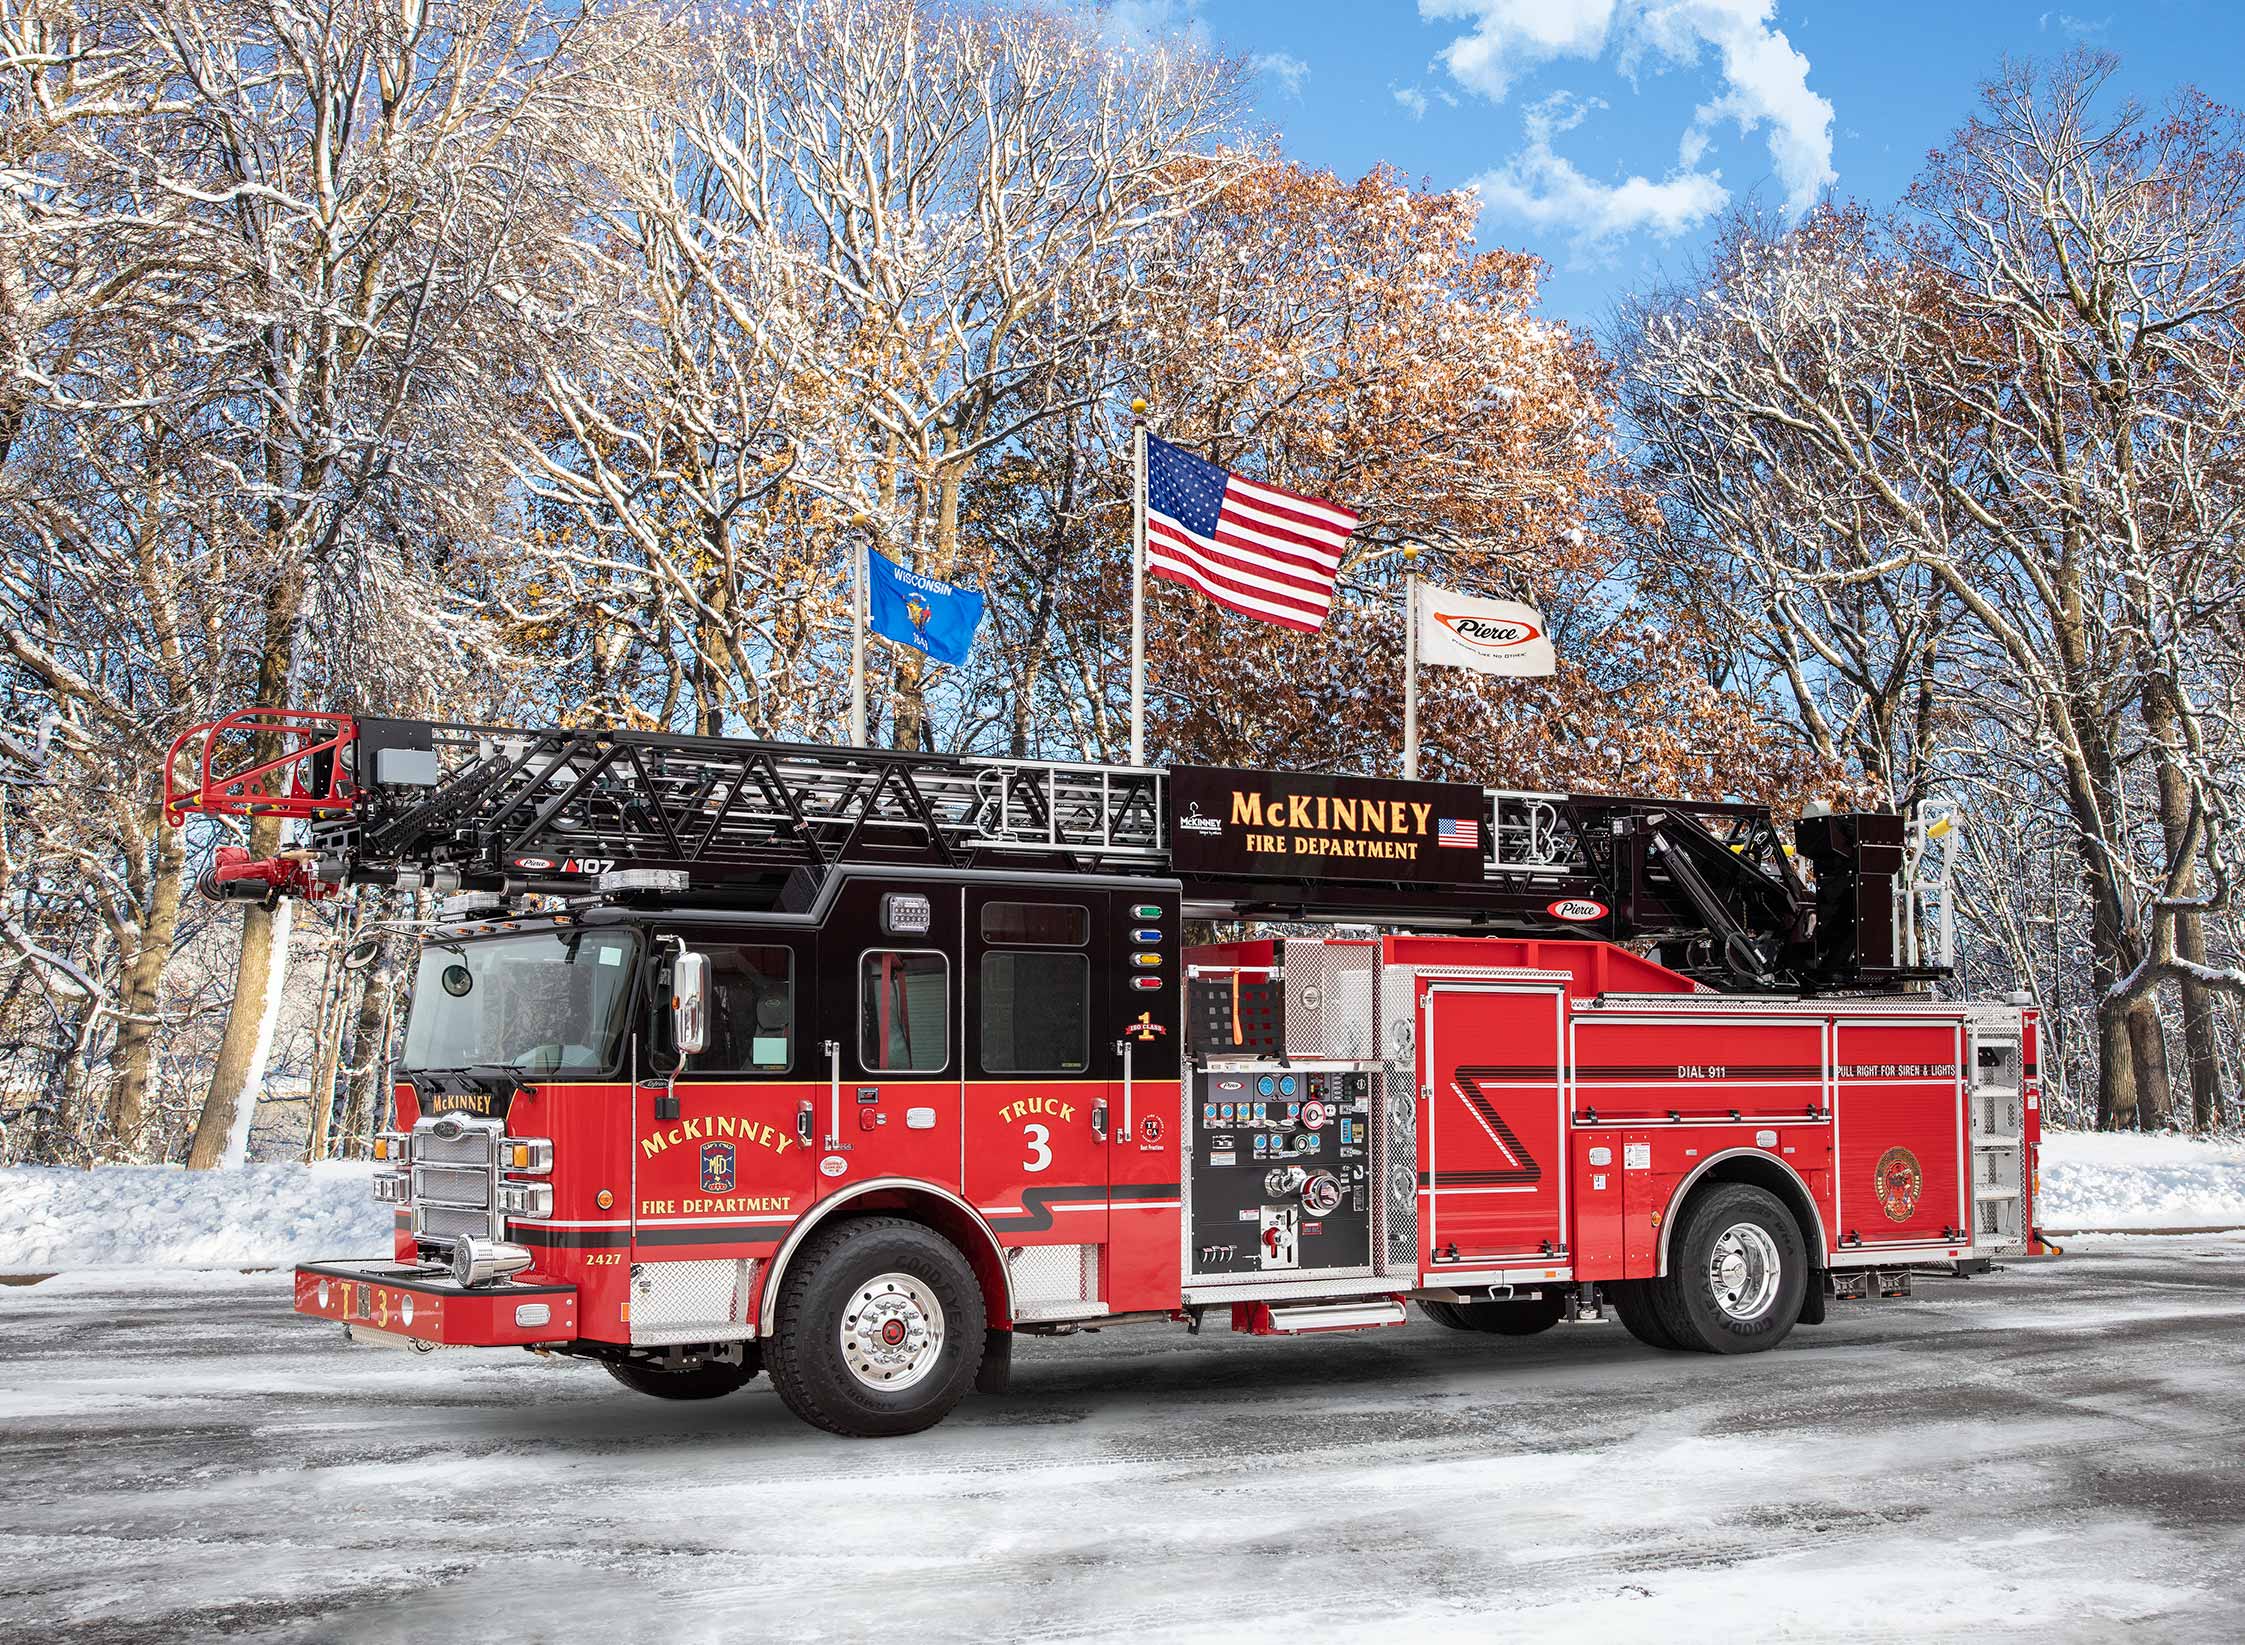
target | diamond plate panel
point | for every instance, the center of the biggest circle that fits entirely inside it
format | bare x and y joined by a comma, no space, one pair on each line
691,1300
1054,1281
1331,999
1395,1231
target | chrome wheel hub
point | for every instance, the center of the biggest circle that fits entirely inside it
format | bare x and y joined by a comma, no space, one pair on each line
1743,1271
892,1331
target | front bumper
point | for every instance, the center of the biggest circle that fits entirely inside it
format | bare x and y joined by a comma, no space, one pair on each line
427,1305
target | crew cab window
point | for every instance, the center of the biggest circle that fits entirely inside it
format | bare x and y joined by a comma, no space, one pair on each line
1060,924
1035,1013
904,1011
751,1010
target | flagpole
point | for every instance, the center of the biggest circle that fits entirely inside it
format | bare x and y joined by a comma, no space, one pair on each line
1138,582
1411,662
857,628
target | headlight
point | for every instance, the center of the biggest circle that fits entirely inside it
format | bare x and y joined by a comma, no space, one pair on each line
393,1147
526,1199
393,1187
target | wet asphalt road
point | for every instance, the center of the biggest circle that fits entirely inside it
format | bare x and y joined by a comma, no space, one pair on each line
2055,1452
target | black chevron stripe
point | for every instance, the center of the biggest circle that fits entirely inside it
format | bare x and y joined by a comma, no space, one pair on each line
1469,1087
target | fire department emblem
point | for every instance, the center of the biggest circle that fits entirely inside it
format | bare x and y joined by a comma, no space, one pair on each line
1150,1128
717,1168
1898,1181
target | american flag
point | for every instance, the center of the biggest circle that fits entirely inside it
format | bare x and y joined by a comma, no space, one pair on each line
1461,831
1249,547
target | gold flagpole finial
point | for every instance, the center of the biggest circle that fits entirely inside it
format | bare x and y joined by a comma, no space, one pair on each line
1138,408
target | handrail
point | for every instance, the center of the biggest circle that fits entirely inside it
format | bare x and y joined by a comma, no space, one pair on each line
295,766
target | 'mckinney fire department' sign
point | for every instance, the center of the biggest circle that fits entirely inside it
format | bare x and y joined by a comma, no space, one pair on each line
1342,828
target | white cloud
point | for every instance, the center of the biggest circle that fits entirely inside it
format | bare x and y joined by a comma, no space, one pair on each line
1284,67
1513,34
1413,100
1543,188
1764,84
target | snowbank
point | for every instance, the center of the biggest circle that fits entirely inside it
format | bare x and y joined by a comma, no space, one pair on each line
126,1215
2101,1179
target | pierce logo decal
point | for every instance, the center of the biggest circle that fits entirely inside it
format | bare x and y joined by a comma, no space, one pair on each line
1576,910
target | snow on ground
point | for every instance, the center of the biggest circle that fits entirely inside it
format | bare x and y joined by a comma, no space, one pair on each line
2093,1179
119,1216
2043,1455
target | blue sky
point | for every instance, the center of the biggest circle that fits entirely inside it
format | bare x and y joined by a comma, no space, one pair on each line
1605,133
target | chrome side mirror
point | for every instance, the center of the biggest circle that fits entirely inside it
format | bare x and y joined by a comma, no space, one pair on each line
689,1002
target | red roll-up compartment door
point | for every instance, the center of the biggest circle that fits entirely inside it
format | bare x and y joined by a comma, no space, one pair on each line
1493,1172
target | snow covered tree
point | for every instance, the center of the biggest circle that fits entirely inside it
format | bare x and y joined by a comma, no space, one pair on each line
2019,399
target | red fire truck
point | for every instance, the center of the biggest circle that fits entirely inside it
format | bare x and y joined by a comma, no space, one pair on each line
851,1065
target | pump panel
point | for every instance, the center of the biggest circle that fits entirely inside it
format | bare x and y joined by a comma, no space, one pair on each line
1281,1178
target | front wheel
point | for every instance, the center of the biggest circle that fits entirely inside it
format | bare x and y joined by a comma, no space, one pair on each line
878,1329
712,1379
1737,1271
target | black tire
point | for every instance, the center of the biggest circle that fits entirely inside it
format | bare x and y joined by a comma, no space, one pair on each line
1444,1313
1516,1317
1634,1308
827,1288
711,1380
1685,1297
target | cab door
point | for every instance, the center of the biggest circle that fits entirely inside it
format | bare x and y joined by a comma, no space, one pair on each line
720,1166
1040,1063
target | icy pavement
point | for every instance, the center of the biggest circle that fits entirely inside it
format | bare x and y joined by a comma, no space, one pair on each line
2048,1453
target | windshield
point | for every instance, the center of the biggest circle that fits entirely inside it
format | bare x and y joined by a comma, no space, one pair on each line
544,1001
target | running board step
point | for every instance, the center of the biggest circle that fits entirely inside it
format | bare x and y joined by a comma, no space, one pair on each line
1260,1319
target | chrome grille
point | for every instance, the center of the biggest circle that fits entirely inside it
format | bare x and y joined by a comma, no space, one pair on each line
454,1185
456,1178
451,1221
471,1144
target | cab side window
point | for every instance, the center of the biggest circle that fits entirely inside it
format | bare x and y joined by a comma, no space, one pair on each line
904,1011
1034,1013
751,1010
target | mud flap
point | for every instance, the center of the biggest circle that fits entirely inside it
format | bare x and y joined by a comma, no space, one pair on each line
997,1362
1812,1299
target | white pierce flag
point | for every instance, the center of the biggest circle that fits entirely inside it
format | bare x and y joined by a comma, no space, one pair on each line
1489,636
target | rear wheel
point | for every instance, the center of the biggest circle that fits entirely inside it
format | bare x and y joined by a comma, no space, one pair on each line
1634,1308
878,1329
712,1379
1737,1272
